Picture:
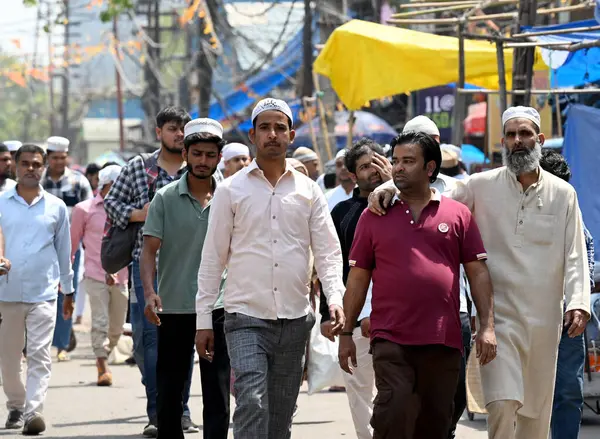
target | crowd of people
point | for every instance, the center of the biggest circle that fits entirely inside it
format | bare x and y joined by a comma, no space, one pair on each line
403,259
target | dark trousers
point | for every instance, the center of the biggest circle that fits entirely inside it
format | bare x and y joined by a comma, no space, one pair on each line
460,398
415,390
176,336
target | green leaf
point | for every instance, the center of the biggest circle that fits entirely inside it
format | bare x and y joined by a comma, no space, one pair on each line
30,2
46,28
106,16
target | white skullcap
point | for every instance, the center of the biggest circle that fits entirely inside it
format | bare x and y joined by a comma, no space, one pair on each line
422,124
203,125
272,104
305,154
232,150
13,145
341,154
108,175
521,113
453,148
57,144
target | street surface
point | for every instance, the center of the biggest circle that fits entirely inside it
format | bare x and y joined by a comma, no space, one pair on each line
77,408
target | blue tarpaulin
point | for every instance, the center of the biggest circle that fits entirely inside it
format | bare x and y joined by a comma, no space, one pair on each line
581,67
583,155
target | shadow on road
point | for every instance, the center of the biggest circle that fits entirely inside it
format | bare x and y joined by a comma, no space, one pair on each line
129,420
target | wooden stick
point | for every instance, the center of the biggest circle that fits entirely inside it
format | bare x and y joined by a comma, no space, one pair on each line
556,32
322,116
306,102
351,120
533,92
430,4
536,44
430,11
501,76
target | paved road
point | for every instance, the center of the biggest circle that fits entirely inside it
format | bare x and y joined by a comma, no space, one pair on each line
76,408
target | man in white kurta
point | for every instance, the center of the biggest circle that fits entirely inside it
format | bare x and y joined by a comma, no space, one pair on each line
533,233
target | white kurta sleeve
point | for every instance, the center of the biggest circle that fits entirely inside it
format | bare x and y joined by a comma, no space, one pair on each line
463,193
577,285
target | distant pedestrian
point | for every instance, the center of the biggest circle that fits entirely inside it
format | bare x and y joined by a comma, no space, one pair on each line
236,156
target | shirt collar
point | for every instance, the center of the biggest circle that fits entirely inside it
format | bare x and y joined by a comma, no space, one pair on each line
513,177
356,194
254,165
12,193
435,196
98,199
182,185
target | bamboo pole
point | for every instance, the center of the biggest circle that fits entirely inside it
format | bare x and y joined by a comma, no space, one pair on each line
557,32
313,136
533,92
430,11
501,15
351,120
429,4
321,107
501,76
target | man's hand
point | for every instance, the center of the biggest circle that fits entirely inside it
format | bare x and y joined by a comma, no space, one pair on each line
68,307
485,342
380,199
327,330
347,350
365,327
576,320
337,318
383,166
205,344
153,304
6,267
110,279
139,215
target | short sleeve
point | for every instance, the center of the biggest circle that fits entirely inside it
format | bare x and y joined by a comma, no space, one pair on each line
471,244
154,225
361,253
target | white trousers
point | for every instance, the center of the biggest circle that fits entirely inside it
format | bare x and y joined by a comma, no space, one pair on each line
504,421
360,387
38,319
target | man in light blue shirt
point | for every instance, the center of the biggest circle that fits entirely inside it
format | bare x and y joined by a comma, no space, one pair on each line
38,244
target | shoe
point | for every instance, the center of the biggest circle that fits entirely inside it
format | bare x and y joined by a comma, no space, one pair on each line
14,421
150,430
188,426
34,425
62,356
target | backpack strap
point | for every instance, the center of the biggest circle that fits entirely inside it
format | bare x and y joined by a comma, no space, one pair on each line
150,177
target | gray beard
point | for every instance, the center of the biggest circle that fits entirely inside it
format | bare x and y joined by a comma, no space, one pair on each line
522,163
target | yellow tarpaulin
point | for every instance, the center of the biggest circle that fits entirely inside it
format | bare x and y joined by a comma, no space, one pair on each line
367,61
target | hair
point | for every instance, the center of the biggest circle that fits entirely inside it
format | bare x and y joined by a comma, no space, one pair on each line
429,147
195,138
31,148
172,114
107,164
358,149
3,148
555,164
92,169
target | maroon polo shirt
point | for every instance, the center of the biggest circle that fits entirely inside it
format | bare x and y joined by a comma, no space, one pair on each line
416,269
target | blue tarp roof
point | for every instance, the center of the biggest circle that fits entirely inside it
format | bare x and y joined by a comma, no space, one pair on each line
581,67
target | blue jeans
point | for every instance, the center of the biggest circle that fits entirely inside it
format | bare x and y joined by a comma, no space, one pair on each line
568,391
145,347
62,330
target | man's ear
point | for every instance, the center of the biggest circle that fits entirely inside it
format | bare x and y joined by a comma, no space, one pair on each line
251,135
541,138
292,136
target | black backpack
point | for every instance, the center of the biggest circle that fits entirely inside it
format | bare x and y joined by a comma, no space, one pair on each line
117,244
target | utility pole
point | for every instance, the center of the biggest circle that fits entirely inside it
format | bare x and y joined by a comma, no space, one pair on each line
205,70
524,56
119,91
31,84
307,51
65,78
50,67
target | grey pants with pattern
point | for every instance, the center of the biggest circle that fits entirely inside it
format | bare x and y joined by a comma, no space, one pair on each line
267,363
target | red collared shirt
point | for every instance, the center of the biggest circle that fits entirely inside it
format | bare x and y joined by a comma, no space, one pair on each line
416,269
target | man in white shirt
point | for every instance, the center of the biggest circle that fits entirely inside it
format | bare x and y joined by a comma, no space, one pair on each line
343,191
263,223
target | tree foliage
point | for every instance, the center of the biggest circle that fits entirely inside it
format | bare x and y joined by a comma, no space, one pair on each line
112,9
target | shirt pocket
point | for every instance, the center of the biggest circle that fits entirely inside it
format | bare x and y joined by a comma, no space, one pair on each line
540,229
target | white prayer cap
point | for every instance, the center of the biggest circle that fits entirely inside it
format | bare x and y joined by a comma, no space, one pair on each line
305,154
57,144
422,124
232,150
108,175
203,125
341,154
522,113
455,149
13,145
272,104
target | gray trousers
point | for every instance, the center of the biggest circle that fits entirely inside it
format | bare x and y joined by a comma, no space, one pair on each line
267,363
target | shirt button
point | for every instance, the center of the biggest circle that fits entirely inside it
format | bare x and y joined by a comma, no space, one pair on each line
275,241
274,289
273,193
521,222
412,222
522,207
408,211
277,265
274,217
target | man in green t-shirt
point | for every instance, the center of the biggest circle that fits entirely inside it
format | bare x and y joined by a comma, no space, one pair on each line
175,229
